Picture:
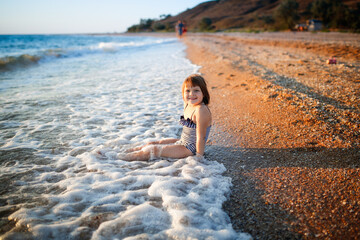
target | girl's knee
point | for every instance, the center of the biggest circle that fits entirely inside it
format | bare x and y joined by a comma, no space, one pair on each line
135,156
153,150
149,152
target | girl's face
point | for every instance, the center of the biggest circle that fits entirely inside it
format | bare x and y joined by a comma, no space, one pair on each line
193,95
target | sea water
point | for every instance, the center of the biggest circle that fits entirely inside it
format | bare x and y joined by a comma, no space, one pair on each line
69,105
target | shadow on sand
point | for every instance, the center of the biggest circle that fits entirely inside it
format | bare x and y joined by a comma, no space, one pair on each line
250,211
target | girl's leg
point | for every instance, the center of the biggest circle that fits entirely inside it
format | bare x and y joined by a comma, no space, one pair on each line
164,141
135,149
155,151
175,151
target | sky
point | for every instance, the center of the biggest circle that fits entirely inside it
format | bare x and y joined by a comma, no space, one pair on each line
82,16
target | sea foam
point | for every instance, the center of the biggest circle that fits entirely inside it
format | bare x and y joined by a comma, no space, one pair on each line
63,125
131,200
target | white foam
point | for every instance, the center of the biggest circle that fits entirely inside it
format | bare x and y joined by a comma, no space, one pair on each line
116,46
159,200
83,191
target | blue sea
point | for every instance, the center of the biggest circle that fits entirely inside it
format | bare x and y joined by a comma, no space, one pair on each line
69,104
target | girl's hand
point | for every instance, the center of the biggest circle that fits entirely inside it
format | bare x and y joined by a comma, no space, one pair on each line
199,157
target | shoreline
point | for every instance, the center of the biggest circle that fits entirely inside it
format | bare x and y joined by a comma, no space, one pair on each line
286,127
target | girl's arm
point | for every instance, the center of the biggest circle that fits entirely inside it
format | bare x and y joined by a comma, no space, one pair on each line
203,119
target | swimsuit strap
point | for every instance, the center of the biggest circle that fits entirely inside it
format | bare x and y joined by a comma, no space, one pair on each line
195,110
186,106
192,115
208,108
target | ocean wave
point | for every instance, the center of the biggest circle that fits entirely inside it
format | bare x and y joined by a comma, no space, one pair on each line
116,46
11,62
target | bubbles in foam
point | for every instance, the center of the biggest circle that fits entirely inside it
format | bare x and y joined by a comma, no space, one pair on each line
116,46
160,200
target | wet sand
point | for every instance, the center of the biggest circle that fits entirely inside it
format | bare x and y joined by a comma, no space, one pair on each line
287,128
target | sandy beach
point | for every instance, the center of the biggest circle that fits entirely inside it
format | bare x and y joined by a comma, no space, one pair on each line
286,127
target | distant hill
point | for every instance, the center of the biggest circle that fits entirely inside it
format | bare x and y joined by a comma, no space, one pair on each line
227,14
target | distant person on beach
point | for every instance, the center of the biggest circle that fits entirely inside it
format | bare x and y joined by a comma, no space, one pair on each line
184,28
196,122
179,28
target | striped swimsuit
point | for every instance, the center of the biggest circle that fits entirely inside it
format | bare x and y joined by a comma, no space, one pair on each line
188,135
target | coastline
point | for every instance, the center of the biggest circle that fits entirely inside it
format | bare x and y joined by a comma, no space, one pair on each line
286,127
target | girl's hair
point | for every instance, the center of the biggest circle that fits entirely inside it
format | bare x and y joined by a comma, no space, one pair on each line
197,80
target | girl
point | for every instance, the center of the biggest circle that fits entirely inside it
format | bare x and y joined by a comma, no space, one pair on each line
196,123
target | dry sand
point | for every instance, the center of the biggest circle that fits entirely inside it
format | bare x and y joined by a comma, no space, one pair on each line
287,128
